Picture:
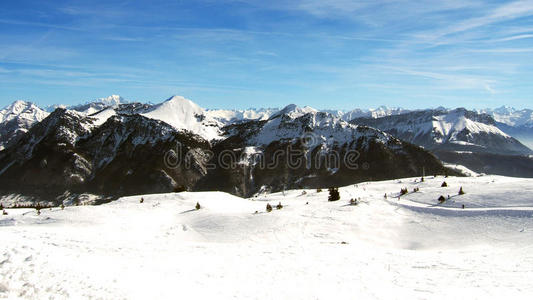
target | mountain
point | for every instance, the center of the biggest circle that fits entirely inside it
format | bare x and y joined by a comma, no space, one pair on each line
517,123
16,119
227,117
379,112
132,148
68,156
99,104
183,114
302,147
451,130
460,137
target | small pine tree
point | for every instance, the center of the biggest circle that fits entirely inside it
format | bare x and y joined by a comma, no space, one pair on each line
444,184
4,212
442,199
319,190
385,196
463,206
1,206
198,206
422,179
268,207
353,201
142,200
403,191
62,206
461,192
279,206
334,194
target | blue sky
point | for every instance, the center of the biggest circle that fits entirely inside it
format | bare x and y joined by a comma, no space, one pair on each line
245,53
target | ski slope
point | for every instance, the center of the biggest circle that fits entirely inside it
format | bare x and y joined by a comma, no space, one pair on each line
406,248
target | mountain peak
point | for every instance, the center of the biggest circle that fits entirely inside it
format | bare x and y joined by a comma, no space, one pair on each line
111,100
182,113
294,111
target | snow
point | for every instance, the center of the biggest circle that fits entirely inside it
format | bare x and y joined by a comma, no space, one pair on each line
511,116
231,116
183,114
291,122
102,116
382,248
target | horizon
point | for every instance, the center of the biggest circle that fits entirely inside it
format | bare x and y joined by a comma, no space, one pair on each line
228,54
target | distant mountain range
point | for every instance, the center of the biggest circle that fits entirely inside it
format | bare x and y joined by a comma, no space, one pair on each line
128,148
112,147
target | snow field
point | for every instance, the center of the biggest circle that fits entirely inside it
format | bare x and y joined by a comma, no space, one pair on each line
310,249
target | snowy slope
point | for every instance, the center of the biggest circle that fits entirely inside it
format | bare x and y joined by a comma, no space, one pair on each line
183,114
412,248
16,119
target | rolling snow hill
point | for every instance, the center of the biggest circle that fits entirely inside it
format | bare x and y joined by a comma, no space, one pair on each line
411,248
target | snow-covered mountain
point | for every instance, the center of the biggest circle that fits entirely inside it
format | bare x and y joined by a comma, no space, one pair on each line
227,117
515,122
326,149
455,130
122,150
113,148
99,104
91,107
381,111
511,116
183,114
16,119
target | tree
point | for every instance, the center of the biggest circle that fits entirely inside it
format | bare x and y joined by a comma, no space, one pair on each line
62,206
442,199
319,190
422,179
268,207
198,206
142,200
353,201
461,192
444,184
279,206
334,194
1,206
179,189
403,191
4,212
